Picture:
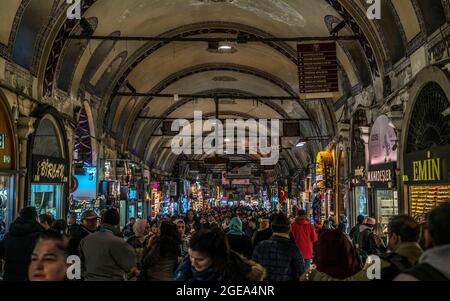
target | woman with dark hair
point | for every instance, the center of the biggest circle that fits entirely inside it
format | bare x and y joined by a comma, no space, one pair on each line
192,223
210,259
46,220
154,228
49,258
161,256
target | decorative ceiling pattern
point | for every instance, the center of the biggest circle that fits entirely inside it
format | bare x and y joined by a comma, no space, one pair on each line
35,35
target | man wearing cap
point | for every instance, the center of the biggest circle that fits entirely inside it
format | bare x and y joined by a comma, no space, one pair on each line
88,225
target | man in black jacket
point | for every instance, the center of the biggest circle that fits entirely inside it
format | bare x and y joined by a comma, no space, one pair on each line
19,244
88,225
354,232
72,225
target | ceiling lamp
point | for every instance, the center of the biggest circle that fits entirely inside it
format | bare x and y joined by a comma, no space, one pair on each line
225,47
301,143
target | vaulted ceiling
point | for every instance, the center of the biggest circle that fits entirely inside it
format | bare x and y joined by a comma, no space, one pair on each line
33,34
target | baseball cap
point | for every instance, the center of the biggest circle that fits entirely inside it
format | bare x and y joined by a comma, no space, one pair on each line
89,214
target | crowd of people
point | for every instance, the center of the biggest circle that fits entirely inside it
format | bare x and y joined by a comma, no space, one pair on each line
224,244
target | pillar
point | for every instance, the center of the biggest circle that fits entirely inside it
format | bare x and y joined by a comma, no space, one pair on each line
365,136
25,127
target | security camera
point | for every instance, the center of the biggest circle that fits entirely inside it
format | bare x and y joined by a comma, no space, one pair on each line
337,28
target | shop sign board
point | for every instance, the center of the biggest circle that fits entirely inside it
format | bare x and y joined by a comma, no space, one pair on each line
317,68
379,176
173,189
49,170
240,182
359,172
428,167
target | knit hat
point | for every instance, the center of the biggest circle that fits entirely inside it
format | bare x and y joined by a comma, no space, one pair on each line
280,223
370,221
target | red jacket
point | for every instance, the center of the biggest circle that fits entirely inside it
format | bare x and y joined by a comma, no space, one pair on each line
305,235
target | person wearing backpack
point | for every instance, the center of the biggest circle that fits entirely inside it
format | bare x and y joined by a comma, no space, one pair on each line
403,237
434,264
354,232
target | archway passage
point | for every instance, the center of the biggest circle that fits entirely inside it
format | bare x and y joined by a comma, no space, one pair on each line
430,125
143,65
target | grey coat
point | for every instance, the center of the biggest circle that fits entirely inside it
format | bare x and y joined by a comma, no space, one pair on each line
106,257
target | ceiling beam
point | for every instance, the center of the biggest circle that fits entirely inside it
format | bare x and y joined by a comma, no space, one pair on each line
242,39
208,96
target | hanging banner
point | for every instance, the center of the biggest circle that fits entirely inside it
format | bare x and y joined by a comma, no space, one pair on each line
317,68
383,141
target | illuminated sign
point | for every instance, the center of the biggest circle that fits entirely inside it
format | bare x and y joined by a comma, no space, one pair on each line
382,175
49,170
428,166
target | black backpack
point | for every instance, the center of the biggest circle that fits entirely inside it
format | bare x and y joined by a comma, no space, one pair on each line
398,264
426,272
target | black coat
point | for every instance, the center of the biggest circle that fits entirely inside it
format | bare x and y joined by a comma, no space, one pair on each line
18,245
241,244
76,235
261,235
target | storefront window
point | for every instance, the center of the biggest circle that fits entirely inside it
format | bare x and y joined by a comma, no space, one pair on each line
140,215
131,211
361,194
426,198
47,199
4,204
387,206
122,210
